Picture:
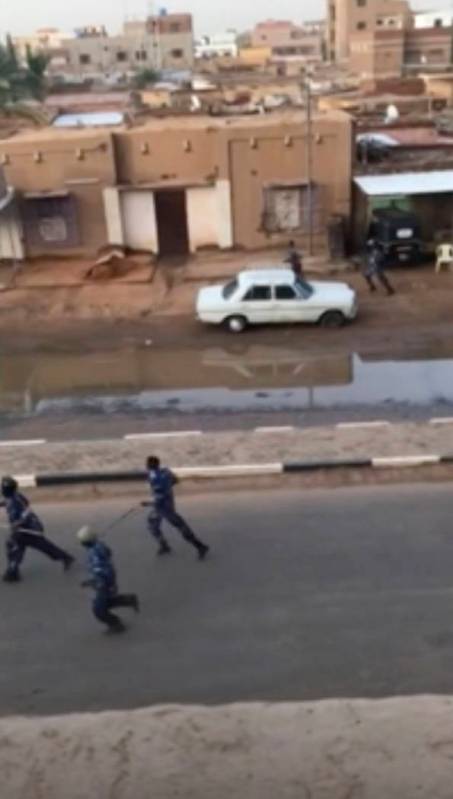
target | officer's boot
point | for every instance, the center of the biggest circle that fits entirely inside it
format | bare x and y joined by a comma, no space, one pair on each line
164,547
12,575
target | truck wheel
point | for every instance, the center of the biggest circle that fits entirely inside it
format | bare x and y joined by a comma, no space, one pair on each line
236,324
332,319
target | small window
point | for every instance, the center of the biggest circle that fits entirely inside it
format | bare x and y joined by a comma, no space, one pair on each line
361,26
257,294
177,53
121,56
438,23
229,289
175,27
285,293
361,3
84,58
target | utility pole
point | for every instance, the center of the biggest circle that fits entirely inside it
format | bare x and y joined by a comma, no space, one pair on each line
309,163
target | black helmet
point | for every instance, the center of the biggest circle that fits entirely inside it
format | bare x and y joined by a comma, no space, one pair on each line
9,486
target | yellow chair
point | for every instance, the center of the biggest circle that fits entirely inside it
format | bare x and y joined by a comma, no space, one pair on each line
444,257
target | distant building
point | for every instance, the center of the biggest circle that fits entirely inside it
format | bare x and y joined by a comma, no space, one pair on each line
288,40
163,42
385,39
217,46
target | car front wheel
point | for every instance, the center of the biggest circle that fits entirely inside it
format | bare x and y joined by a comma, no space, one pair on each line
332,319
236,324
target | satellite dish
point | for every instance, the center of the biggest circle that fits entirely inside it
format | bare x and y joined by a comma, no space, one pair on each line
392,114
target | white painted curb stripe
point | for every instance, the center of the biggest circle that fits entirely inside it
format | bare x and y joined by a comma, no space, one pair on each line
31,443
352,425
26,480
240,470
173,434
283,429
442,420
405,460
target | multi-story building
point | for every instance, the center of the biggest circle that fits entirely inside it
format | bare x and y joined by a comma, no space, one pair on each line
288,40
347,18
161,42
383,38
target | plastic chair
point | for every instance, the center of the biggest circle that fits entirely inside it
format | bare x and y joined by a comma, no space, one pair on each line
444,257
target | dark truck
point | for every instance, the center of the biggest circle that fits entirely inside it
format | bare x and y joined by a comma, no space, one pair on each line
398,233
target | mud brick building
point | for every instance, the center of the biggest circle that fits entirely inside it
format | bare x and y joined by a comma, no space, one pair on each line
178,185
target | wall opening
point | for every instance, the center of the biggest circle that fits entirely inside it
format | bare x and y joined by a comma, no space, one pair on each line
172,227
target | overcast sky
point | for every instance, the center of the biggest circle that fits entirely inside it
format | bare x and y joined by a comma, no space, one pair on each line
24,16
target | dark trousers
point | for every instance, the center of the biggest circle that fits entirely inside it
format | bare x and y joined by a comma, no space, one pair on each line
104,601
383,280
166,512
17,544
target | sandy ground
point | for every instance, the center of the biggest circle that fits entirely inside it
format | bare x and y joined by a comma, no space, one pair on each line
397,749
52,291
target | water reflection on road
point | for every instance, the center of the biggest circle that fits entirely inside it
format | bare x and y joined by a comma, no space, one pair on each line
237,377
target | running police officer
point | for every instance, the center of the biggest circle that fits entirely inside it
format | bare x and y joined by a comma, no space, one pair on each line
162,482
103,580
27,531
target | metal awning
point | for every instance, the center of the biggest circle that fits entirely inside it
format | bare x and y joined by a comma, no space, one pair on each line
7,198
404,183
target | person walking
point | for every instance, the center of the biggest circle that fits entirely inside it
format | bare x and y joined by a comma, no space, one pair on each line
375,268
162,482
103,580
27,532
295,259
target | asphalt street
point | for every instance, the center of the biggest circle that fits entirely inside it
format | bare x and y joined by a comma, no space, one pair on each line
307,594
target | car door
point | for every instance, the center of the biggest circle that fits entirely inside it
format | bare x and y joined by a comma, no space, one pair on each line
257,304
289,306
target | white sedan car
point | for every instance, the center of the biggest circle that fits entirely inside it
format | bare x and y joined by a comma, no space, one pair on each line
275,296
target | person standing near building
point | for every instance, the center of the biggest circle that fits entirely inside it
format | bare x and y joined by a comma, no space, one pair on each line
103,580
27,531
374,267
162,482
295,259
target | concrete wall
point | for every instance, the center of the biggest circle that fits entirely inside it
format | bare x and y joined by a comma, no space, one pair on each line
11,238
203,218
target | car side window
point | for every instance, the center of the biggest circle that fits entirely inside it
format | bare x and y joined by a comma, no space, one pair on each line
257,293
285,293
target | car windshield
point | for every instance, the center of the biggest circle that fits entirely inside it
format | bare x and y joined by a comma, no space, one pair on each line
229,289
304,289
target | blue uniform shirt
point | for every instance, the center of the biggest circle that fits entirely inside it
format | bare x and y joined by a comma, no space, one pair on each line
101,567
20,514
161,482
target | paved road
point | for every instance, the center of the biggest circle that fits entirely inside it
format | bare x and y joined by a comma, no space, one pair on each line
307,595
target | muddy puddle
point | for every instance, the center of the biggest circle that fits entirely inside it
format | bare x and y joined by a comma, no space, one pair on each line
235,378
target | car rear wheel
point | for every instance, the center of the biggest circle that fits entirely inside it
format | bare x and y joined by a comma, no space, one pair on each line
332,319
236,324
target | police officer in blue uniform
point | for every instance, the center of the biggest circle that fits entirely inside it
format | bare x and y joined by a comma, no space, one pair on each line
27,530
162,482
103,580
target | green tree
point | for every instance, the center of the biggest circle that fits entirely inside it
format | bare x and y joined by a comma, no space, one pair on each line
145,78
35,74
18,82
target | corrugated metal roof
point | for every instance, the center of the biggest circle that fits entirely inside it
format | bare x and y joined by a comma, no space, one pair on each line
95,119
434,182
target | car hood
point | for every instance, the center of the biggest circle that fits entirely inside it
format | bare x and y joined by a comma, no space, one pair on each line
210,297
331,292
